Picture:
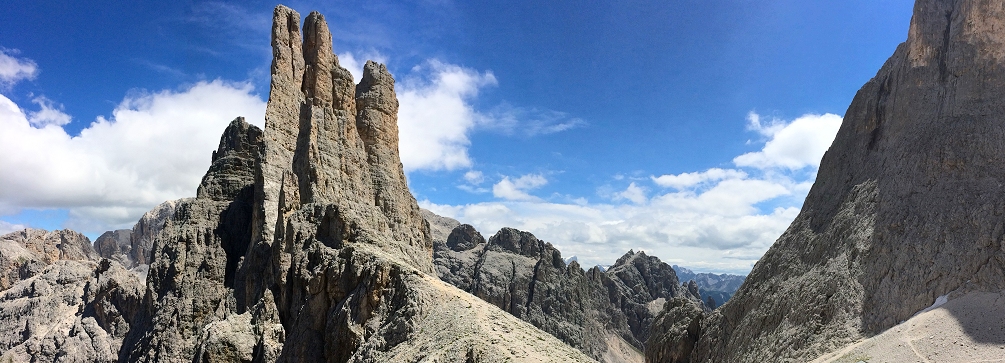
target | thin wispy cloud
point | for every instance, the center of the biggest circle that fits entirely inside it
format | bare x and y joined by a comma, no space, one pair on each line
14,69
528,122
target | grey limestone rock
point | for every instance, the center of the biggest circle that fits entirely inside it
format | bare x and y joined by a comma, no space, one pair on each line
61,302
439,226
141,240
25,253
604,314
304,243
906,205
195,256
116,245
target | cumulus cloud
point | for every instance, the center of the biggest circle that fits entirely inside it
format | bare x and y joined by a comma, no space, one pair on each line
599,233
718,219
516,189
154,147
349,61
633,193
793,145
14,69
435,115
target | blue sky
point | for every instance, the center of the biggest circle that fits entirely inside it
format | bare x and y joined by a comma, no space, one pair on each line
689,129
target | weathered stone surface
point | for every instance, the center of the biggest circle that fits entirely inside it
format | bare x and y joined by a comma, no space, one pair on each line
195,256
304,243
439,226
141,240
906,206
680,324
27,252
115,245
58,304
604,314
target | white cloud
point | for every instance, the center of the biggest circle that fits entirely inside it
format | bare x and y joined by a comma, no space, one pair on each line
349,61
13,69
793,145
155,147
600,233
49,114
686,180
633,193
714,220
435,116
516,189
6,227
474,177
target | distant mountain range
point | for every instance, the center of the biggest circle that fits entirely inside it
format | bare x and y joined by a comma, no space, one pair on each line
720,287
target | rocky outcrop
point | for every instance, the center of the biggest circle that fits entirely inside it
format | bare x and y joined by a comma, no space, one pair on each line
905,208
115,245
304,243
27,252
195,256
141,240
439,226
60,301
132,247
718,287
604,314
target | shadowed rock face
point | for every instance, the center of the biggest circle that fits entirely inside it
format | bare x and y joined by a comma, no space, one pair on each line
195,256
604,314
906,206
147,228
115,245
304,243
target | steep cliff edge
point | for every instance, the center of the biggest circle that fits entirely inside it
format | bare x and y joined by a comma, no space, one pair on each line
906,206
304,243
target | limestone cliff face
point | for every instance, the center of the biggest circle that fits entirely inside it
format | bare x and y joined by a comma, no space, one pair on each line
141,239
195,256
115,245
906,207
606,315
304,243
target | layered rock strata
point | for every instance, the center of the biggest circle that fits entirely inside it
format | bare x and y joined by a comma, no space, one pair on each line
906,206
605,314
304,243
